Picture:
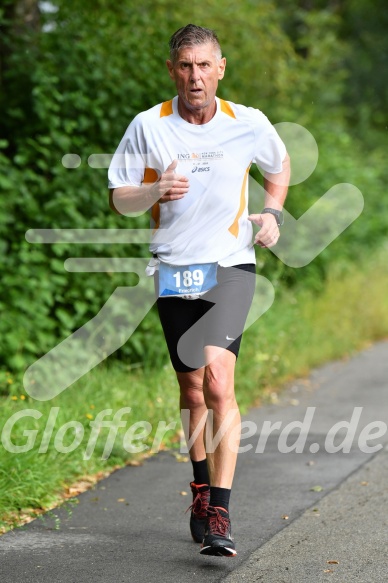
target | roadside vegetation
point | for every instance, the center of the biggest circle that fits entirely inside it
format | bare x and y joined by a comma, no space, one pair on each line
63,456
66,87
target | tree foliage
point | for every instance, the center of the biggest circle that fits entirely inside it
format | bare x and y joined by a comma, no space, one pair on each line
72,77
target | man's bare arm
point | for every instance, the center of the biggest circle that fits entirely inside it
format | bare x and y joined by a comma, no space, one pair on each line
276,187
130,199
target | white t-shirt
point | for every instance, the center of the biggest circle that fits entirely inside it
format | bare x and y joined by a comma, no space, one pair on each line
209,224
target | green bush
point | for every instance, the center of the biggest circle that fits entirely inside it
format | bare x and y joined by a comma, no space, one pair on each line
71,82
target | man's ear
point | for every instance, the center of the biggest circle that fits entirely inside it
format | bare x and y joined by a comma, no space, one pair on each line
170,68
221,68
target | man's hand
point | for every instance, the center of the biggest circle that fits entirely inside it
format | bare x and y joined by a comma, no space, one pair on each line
171,186
269,231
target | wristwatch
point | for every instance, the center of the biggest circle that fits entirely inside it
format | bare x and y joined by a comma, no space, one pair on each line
277,214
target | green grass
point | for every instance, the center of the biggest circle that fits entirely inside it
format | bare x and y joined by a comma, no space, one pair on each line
303,329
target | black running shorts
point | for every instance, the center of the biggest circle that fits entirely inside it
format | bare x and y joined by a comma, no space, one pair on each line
215,319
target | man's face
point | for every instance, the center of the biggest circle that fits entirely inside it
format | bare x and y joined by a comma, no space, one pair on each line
196,73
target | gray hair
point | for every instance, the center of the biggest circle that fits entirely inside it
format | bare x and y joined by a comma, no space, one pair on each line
191,35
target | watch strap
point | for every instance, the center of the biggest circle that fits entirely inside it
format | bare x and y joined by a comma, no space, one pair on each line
276,213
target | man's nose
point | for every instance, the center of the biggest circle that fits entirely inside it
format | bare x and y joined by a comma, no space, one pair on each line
194,73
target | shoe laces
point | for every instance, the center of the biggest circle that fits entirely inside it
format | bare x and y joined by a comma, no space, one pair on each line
218,524
200,503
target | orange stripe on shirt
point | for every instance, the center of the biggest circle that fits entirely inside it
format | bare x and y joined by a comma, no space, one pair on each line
166,108
234,228
226,108
155,214
150,176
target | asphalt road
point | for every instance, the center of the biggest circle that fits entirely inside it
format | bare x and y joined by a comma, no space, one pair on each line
307,516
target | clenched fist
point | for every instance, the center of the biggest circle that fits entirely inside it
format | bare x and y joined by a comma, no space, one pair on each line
170,186
269,231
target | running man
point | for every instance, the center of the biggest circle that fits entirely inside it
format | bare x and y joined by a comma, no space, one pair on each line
187,160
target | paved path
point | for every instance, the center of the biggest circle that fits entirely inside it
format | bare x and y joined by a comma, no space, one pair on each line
336,503
344,538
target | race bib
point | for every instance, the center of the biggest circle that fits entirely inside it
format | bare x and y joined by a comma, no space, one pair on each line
186,281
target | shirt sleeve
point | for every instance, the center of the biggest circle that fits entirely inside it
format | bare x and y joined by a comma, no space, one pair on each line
128,163
270,150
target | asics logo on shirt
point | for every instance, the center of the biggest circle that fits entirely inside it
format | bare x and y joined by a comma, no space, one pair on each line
201,169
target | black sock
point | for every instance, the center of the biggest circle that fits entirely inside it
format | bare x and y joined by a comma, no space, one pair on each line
201,474
219,497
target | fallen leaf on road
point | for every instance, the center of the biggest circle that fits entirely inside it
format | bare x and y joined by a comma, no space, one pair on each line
183,493
316,489
181,458
285,517
333,562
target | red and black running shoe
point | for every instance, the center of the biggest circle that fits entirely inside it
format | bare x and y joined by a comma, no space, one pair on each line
218,539
198,516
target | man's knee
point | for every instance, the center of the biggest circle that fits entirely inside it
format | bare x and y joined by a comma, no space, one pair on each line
219,385
191,388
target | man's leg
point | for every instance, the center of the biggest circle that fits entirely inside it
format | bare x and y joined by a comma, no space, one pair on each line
192,400
222,441
212,388
218,388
